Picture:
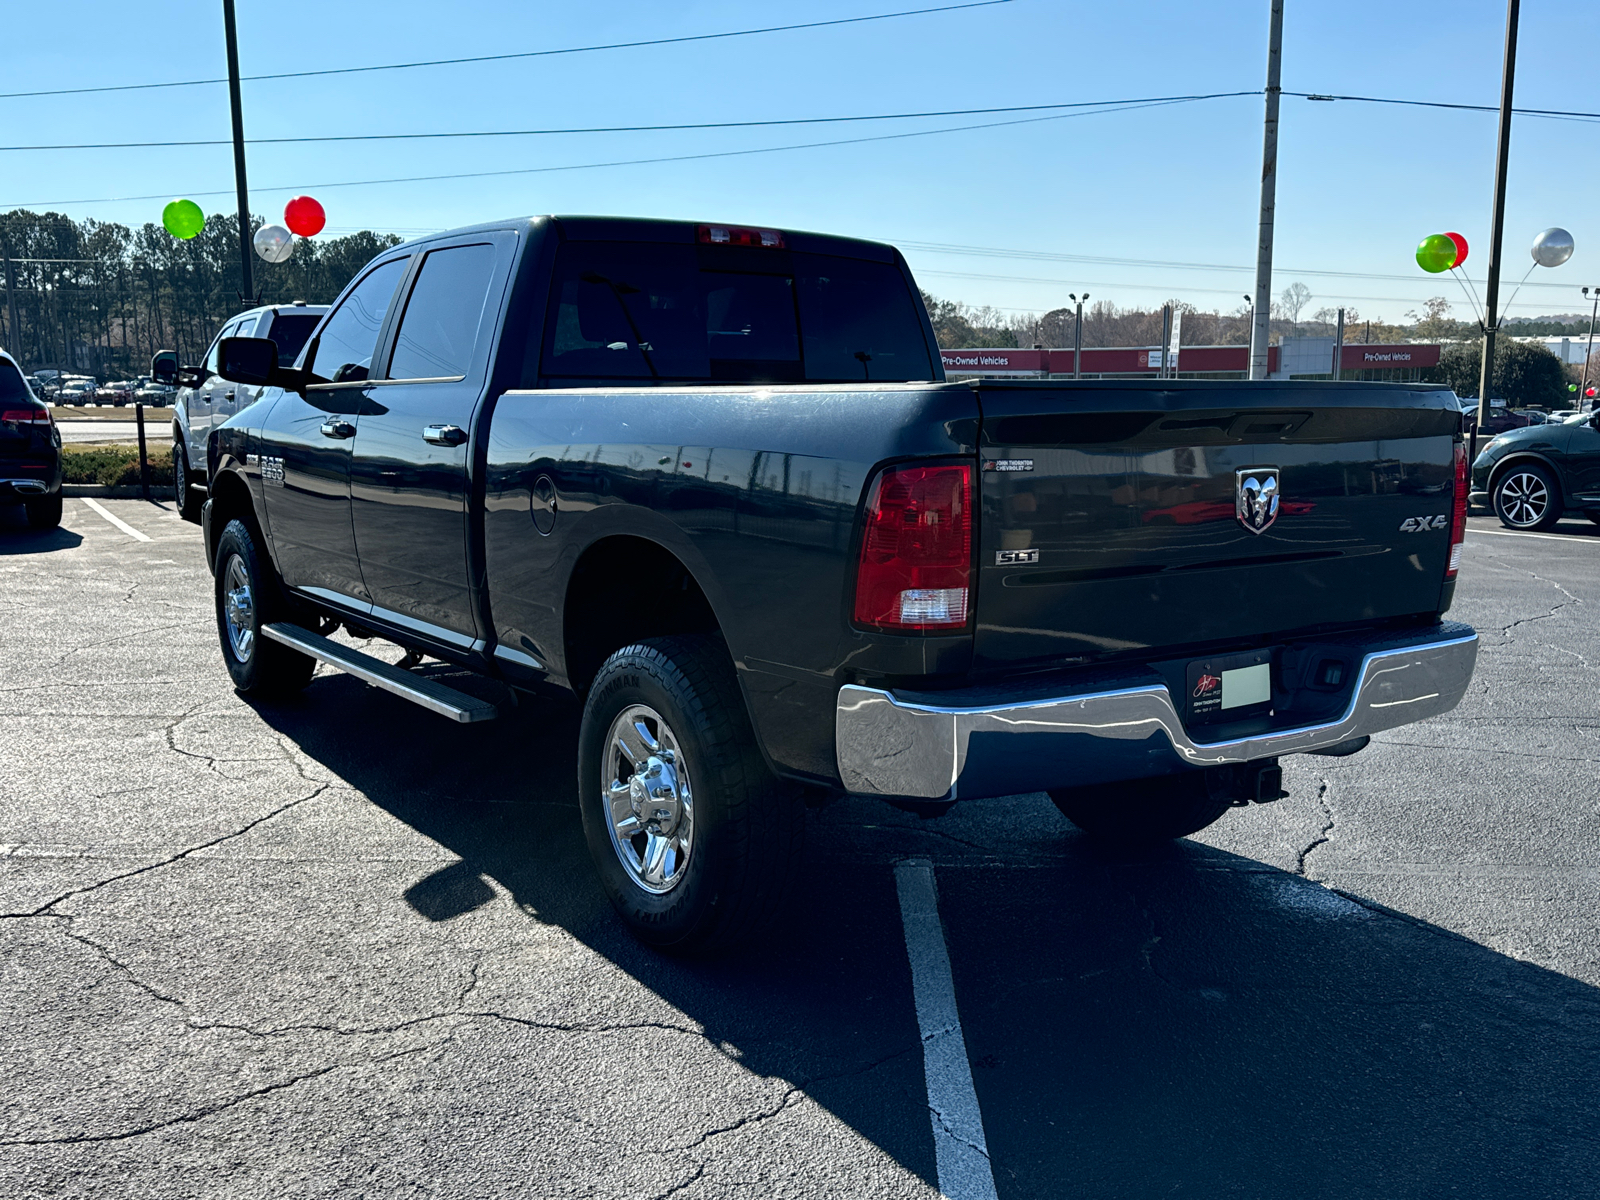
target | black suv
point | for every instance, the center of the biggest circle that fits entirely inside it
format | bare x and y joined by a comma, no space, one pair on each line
1536,475
30,449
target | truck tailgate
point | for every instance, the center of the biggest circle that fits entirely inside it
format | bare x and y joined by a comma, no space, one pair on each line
1111,513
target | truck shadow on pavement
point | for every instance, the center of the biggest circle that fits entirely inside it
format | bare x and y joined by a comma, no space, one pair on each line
1179,1021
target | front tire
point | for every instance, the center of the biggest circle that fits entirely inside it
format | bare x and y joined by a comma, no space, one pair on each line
248,597
694,839
44,512
1146,811
182,493
1526,497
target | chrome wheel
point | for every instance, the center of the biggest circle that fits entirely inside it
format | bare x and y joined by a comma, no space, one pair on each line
180,476
238,609
644,784
1524,499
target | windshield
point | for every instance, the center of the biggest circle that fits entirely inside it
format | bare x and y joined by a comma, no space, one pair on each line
642,311
289,333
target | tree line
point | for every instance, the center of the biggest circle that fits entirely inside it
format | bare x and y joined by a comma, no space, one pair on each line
99,298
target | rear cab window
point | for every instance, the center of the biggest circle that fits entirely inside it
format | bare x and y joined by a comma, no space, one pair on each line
649,312
290,331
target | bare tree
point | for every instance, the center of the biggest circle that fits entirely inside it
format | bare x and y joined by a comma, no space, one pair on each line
1290,302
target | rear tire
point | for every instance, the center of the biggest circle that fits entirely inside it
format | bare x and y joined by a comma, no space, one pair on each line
1527,497
694,839
182,493
248,596
44,512
1144,811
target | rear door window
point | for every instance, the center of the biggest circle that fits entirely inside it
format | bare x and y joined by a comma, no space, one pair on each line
350,338
439,330
648,312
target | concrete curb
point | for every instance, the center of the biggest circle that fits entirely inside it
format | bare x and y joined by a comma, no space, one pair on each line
101,492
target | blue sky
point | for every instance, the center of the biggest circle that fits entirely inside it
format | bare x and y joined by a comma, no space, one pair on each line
1359,184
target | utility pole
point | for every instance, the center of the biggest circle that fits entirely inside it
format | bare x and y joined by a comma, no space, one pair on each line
1077,337
14,330
1262,323
1338,346
1498,225
247,296
1583,388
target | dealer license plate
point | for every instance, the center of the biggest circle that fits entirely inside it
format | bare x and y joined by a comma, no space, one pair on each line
1234,685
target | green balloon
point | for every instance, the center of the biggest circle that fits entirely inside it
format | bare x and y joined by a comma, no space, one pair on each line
183,219
1436,253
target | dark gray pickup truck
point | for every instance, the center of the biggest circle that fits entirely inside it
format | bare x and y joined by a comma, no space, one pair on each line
711,481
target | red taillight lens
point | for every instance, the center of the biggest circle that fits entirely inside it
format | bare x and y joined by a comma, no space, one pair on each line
1458,521
26,416
728,235
916,551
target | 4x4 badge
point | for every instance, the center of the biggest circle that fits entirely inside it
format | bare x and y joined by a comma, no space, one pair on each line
1255,497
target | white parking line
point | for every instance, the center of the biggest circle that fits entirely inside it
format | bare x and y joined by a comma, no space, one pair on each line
1549,537
959,1147
115,520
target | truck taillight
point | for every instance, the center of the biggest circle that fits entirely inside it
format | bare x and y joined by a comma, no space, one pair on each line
915,571
1458,520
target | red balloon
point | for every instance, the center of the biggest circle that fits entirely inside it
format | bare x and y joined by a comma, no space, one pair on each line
1461,247
304,216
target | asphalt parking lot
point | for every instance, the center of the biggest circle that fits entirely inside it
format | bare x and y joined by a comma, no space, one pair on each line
340,947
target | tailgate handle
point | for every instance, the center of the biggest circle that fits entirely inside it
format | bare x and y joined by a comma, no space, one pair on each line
1249,426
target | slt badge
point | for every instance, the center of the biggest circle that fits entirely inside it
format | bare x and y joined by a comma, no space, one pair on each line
1255,495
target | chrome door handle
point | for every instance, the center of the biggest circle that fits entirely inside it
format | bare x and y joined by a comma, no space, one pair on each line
444,435
227,395
338,429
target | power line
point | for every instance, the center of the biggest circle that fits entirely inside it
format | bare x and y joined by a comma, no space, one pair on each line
634,162
1557,113
483,58
493,133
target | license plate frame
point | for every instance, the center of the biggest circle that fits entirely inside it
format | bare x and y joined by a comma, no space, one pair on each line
1229,687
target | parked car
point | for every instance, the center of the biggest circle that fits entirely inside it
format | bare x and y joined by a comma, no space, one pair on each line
207,400
1533,477
711,482
30,449
77,392
157,395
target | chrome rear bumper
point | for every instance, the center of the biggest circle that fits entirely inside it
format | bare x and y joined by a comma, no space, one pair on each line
976,742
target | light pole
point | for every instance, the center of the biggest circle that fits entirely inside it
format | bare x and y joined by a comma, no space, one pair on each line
1077,335
247,296
1261,314
1497,225
1249,330
1583,388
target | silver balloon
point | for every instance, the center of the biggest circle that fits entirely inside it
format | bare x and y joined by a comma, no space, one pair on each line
275,243
1552,247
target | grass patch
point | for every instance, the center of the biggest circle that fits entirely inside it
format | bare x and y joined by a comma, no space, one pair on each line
114,466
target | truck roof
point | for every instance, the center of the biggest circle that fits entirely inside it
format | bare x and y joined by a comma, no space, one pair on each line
651,229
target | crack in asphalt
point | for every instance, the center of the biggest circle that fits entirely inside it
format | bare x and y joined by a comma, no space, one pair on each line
699,1172
44,909
1570,599
209,1110
1323,787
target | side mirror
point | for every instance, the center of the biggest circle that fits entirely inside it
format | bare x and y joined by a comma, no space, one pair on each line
164,367
248,360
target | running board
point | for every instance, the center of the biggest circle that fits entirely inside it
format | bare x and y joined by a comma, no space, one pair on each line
458,706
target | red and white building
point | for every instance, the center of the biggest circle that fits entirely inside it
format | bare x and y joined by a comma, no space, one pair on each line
1297,358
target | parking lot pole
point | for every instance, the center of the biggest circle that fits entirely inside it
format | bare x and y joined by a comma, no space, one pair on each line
1497,229
1261,316
247,296
144,458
